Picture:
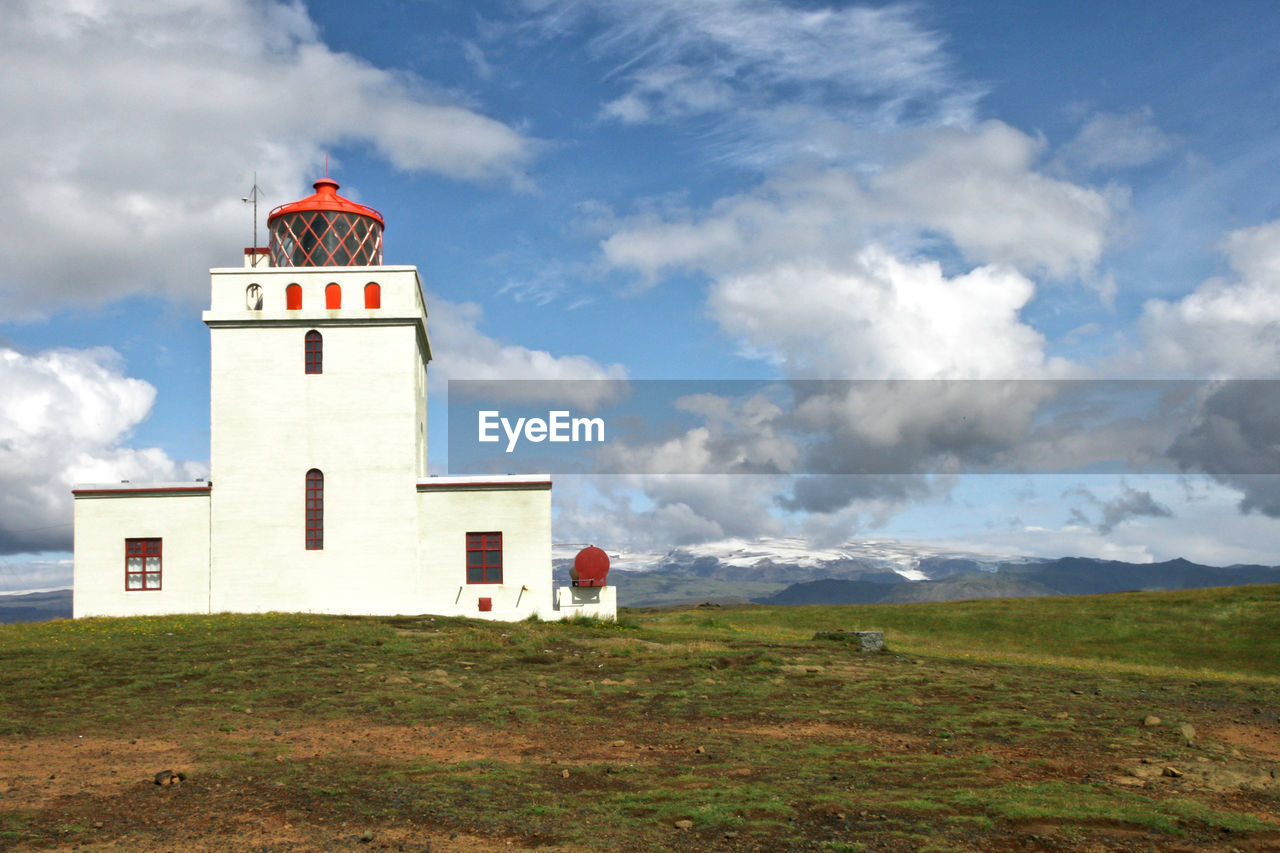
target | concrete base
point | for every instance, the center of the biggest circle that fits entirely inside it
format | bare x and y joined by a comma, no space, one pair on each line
600,602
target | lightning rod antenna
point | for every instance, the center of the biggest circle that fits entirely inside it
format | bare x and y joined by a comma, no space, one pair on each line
252,197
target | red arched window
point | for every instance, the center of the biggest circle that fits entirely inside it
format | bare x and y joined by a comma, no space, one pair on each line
315,352
372,295
293,297
315,510
333,296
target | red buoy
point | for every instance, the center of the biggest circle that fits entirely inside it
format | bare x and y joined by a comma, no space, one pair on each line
590,567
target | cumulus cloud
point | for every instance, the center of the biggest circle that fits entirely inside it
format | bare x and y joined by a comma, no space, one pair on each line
982,188
1228,327
879,317
978,188
132,129
1236,440
63,418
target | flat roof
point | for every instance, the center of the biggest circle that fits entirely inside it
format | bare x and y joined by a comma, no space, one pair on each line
132,488
486,481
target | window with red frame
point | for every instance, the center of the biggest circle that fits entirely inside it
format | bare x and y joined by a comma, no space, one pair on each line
315,352
315,510
484,558
142,564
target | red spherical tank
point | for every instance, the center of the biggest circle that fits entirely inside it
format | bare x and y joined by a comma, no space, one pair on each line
590,567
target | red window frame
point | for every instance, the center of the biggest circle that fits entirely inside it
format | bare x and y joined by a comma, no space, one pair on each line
314,347
315,510
373,295
484,557
293,297
333,296
143,564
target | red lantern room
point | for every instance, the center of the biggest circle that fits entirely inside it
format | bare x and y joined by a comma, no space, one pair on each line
325,230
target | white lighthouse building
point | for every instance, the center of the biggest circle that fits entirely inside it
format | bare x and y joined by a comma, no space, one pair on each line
318,497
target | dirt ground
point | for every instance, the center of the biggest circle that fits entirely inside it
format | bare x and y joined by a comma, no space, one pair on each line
100,794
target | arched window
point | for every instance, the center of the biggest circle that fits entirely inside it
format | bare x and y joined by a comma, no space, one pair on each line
315,352
315,510
333,296
372,295
253,297
293,297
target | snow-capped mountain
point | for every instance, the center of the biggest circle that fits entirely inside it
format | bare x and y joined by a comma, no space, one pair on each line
791,560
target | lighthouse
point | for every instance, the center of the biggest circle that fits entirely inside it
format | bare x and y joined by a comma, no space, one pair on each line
319,498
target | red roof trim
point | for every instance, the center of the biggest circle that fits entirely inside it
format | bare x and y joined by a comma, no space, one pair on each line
490,484
326,198
140,490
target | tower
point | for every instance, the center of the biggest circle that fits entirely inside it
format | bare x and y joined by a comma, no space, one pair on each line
318,371
319,497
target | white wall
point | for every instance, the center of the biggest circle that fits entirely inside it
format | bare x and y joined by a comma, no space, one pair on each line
599,602
517,507
107,515
394,539
361,422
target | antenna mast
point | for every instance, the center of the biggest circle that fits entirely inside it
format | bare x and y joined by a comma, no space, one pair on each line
252,197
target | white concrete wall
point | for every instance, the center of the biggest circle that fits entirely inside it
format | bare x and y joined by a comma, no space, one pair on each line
401,290
394,539
107,515
519,508
599,602
361,422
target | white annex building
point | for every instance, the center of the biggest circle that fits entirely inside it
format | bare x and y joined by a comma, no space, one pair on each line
318,497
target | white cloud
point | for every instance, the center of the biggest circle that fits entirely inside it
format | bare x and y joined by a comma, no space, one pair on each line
761,83
661,511
132,129
1226,327
877,317
982,189
1116,141
63,418
670,89
1203,526
27,572
682,59
465,352
978,188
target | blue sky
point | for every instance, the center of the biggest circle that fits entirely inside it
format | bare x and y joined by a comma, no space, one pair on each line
660,190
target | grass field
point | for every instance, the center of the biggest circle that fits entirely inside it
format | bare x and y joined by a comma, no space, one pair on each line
987,725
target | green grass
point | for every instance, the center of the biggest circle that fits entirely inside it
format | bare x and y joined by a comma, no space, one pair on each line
1223,631
980,718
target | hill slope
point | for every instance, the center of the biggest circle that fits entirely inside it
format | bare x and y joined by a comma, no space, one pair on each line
35,606
1029,578
1000,724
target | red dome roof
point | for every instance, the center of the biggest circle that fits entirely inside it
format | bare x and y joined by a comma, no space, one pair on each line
326,198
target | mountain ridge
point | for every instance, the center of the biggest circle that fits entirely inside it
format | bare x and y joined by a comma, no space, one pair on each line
873,572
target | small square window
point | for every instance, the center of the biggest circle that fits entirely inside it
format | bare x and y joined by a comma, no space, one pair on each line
142,564
484,558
